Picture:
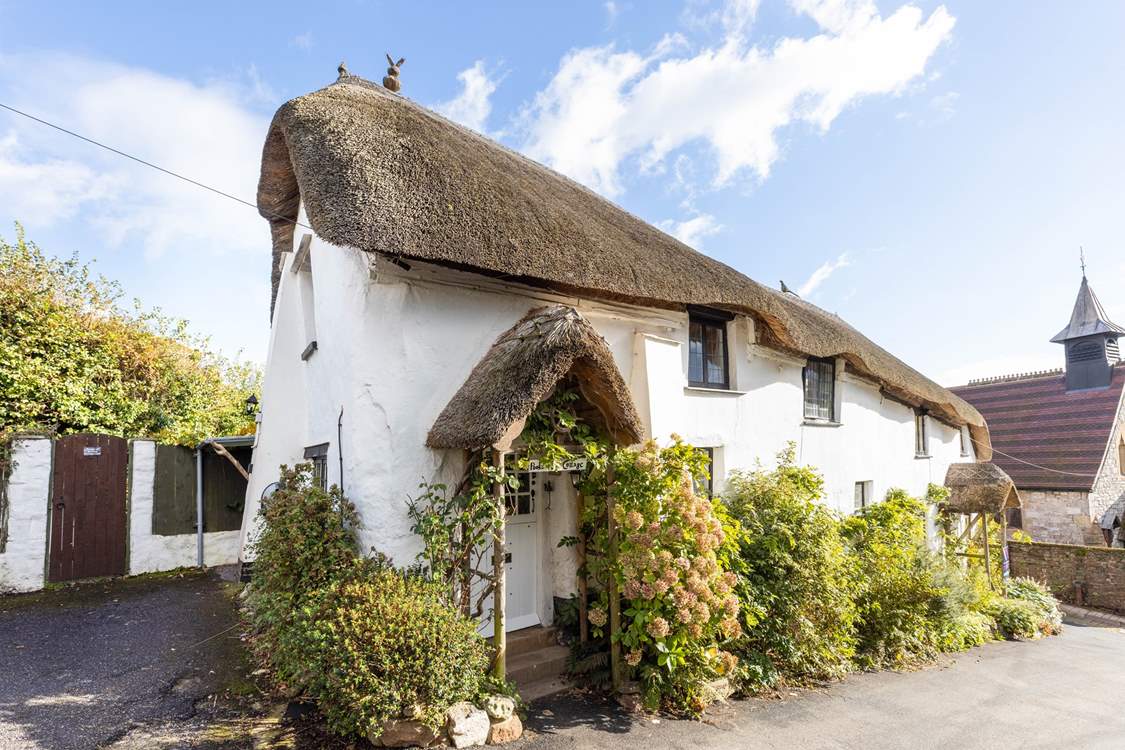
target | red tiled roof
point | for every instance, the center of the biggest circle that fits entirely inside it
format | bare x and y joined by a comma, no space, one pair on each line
1036,420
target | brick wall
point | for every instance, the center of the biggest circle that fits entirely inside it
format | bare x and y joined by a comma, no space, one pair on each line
1099,572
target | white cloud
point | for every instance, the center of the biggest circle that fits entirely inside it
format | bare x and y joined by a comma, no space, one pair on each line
692,231
303,41
945,105
606,105
821,274
612,10
472,106
204,132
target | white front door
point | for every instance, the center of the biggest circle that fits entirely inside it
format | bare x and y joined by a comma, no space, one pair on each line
522,555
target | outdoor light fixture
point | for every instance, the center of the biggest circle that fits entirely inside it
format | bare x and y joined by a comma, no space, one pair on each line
251,404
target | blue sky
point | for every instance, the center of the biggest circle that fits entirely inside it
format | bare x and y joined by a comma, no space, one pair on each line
925,170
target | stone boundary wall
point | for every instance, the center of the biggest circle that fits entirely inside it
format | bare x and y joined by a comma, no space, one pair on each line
1085,576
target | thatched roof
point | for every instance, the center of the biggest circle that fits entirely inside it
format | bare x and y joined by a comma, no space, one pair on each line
380,173
522,368
979,488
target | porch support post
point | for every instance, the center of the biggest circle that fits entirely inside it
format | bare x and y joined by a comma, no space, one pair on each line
614,595
987,555
499,641
583,585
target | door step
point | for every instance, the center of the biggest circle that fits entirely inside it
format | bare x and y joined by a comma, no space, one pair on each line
536,663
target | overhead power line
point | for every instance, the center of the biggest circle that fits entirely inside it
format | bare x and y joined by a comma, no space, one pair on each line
149,164
255,206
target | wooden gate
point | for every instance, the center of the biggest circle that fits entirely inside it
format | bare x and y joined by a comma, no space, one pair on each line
88,529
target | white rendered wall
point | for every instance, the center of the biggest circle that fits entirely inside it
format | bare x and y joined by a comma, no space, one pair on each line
395,345
150,552
23,563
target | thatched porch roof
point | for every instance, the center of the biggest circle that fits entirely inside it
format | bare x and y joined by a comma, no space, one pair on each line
376,171
522,368
979,488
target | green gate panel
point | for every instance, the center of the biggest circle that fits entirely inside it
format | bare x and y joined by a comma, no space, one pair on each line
173,492
224,490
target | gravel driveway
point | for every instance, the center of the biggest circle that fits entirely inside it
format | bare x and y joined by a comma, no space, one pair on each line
87,665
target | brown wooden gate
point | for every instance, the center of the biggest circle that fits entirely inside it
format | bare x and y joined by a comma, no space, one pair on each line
88,529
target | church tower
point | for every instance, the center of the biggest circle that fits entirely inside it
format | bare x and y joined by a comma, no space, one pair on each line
1091,342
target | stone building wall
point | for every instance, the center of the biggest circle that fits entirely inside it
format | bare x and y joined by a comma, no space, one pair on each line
1059,517
1108,493
1088,576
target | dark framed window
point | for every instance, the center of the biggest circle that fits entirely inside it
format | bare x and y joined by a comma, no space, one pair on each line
863,492
520,500
820,389
708,349
317,455
705,486
921,439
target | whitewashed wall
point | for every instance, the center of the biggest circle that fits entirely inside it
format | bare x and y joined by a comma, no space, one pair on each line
23,563
395,345
148,552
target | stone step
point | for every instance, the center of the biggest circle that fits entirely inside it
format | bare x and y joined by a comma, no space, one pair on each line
542,688
524,641
534,666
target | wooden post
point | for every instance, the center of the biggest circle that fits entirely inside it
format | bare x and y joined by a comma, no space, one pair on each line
499,641
1005,561
583,584
615,665
987,555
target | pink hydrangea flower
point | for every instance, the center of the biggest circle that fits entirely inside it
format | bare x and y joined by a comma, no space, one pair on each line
657,628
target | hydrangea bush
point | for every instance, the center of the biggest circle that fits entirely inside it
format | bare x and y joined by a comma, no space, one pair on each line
678,602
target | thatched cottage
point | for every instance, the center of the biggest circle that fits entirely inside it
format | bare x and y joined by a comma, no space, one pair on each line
431,287
1061,434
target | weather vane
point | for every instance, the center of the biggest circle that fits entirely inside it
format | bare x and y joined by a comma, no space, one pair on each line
1082,260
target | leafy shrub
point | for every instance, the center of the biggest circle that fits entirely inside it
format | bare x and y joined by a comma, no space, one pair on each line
1038,595
362,639
794,573
386,642
911,603
1016,618
678,601
306,542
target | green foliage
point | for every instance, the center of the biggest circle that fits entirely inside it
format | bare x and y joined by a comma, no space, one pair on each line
385,643
456,530
794,574
1048,614
678,604
1016,618
72,360
364,640
307,542
911,604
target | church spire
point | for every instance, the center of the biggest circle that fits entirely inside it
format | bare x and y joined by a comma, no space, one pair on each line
1090,340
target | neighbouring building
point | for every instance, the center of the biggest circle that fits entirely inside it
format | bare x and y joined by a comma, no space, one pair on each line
430,287
1059,433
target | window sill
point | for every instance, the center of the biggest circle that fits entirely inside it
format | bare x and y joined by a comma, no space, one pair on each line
821,423
922,456
717,391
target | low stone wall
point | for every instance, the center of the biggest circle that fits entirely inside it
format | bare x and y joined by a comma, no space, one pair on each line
1059,517
1086,576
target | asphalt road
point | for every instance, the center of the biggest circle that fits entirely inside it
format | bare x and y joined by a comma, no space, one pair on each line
84,666
1062,692
129,665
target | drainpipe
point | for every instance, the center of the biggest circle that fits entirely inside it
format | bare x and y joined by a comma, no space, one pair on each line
340,446
199,504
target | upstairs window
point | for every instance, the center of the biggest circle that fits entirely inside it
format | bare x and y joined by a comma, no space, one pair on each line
921,438
708,350
820,389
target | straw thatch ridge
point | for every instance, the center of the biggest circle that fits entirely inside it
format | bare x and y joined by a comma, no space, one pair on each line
522,368
378,172
979,488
